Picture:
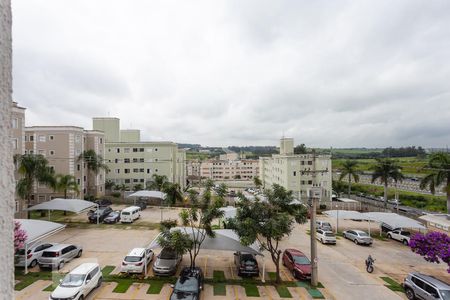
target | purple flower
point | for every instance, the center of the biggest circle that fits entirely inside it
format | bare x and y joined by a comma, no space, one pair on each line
20,236
433,246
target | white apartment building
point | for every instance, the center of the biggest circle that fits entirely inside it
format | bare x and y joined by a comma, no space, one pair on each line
245,169
18,148
132,161
62,146
296,171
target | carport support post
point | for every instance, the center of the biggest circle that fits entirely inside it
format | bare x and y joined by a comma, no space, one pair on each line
98,216
264,271
26,258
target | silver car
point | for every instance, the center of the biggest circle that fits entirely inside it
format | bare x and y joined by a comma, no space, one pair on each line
34,252
421,286
166,262
358,237
55,257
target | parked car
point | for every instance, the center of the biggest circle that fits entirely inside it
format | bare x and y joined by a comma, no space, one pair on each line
56,256
34,252
323,225
325,236
188,285
386,228
142,204
102,213
79,282
297,263
421,286
166,262
103,202
112,218
246,264
136,260
129,214
400,235
358,237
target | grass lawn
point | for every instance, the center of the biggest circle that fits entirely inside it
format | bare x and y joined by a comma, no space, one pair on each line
218,275
272,275
107,270
283,291
220,289
392,284
122,285
251,290
155,287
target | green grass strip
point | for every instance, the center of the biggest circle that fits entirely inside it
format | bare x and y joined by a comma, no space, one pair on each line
51,287
219,289
219,275
283,291
251,290
122,285
107,270
155,287
25,282
315,293
392,284
272,275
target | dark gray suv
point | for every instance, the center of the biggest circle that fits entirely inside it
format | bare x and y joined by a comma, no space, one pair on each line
421,286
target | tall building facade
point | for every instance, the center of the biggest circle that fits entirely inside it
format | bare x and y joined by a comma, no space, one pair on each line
245,169
18,148
62,147
132,161
297,172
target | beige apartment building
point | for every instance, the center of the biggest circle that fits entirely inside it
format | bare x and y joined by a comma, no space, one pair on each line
245,169
62,146
296,171
132,161
18,148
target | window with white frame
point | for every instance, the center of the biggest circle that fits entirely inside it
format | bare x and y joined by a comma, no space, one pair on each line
51,137
52,152
42,138
15,144
15,123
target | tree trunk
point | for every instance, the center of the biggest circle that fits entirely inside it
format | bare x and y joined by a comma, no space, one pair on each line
277,267
385,193
349,184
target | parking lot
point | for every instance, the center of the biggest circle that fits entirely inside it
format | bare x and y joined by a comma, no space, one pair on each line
341,266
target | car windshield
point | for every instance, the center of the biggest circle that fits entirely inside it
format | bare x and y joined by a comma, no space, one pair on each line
406,233
329,234
301,260
187,284
72,280
362,233
325,224
445,294
133,258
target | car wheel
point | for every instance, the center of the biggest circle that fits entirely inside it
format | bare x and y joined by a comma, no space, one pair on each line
389,236
356,241
80,253
99,282
81,297
33,263
61,265
405,242
294,274
344,235
321,240
410,294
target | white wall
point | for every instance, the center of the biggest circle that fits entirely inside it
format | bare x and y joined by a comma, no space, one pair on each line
6,160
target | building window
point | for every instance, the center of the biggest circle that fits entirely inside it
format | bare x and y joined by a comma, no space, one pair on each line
295,173
309,162
31,138
126,150
101,142
148,171
52,168
126,160
51,137
135,170
309,181
142,179
127,180
156,170
141,149
78,181
117,171
31,152
52,152
135,180
84,178
77,139
15,144
141,160
135,160
42,138
17,206
15,123
118,150
156,149
127,171
141,170
135,149
116,160
41,198
78,167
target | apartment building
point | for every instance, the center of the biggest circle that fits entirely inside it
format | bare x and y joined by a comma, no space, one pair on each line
245,169
62,146
193,168
132,161
296,171
18,148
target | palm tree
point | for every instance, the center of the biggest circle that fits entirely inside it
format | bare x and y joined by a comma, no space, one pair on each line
257,182
94,163
65,184
439,163
173,192
349,169
33,168
158,182
386,169
109,185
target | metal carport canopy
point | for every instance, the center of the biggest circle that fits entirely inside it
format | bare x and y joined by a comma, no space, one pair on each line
37,230
72,205
150,194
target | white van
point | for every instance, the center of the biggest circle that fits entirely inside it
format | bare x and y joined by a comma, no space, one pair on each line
129,214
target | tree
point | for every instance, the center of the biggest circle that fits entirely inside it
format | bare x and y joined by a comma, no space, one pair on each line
222,190
65,184
268,222
32,168
433,246
20,236
109,185
157,182
122,188
173,192
300,149
198,219
94,163
386,169
258,183
137,187
209,184
439,163
349,169
176,240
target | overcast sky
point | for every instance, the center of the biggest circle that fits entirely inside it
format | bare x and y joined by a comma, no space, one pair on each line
327,73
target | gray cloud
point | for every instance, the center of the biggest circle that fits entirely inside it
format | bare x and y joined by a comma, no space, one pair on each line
342,73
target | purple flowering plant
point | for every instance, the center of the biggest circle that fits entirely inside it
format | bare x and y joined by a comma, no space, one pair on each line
433,246
20,236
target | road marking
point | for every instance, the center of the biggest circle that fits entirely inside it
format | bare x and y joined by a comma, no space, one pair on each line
235,293
268,292
100,291
136,290
286,275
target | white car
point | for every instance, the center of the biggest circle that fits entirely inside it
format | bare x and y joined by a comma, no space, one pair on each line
136,260
400,235
34,252
325,236
78,283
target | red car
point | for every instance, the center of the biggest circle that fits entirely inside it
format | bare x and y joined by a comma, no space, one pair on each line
297,263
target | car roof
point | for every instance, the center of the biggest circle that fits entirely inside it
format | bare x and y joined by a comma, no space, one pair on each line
433,280
58,247
136,252
358,231
296,252
130,208
84,268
